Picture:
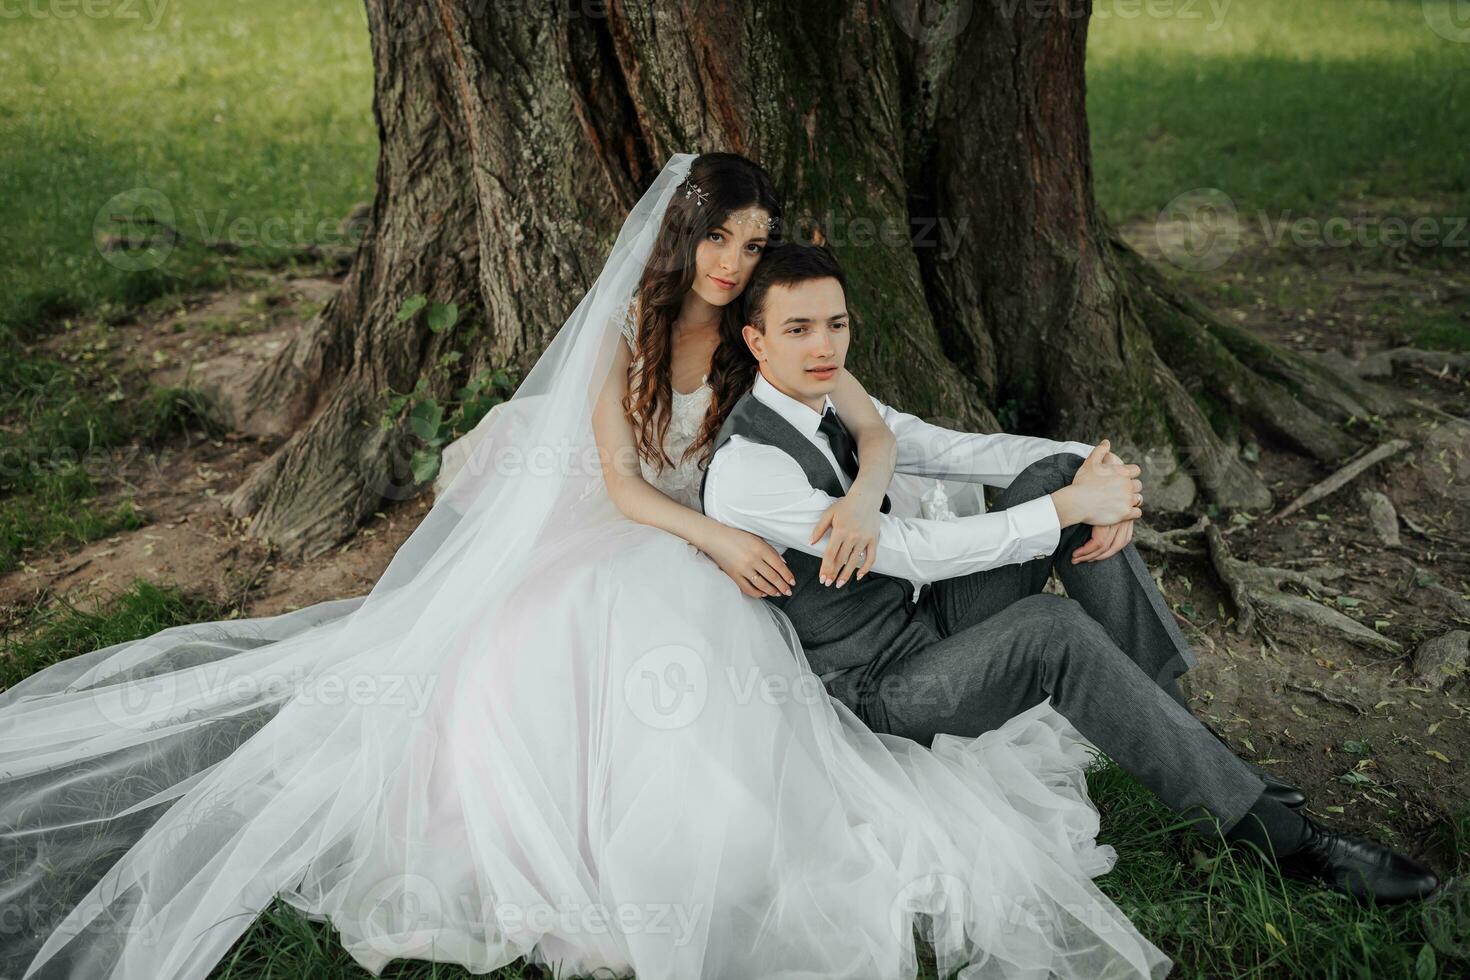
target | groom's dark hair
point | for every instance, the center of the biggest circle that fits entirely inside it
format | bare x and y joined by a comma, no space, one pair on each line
733,368
786,265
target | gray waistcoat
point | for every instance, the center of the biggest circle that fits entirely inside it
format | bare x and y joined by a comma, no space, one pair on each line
867,619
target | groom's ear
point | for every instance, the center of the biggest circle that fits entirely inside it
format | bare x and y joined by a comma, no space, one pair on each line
754,339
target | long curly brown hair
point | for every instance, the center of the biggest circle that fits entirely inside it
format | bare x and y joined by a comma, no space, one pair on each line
728,182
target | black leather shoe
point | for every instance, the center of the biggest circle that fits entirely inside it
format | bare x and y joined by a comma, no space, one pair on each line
1282,792
1357,867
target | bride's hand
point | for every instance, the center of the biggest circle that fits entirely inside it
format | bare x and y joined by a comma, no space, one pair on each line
854,524
749,559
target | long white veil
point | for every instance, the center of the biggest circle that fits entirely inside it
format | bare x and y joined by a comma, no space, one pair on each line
205,766
461,740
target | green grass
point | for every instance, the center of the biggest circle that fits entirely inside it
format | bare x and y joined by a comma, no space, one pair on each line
51,635
1219,914
1290,107
236,113
1442,331
60,424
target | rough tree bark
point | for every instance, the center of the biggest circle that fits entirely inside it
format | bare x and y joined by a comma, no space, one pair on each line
941,148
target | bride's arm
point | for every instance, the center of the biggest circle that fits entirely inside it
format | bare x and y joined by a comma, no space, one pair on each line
854,518
755,566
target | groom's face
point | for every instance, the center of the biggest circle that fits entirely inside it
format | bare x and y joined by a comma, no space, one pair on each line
804,344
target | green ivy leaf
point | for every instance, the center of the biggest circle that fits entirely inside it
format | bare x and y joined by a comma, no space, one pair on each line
425,419
442,316
411,306
425,465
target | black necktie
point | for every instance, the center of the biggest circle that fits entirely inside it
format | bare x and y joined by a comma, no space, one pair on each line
844,447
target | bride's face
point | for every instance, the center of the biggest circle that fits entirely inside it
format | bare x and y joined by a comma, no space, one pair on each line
726,257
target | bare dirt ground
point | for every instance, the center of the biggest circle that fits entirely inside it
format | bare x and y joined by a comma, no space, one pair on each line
1376,749
190,540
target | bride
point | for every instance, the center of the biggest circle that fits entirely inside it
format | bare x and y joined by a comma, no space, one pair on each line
551,731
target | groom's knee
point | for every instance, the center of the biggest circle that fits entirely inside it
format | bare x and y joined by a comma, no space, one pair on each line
1041,477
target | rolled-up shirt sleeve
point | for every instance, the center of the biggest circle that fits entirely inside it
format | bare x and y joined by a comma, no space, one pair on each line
761,489
993,458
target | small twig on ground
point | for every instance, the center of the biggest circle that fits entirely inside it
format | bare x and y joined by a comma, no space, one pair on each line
1424,406
1423,531
243,595
1329,698
1375,663
1343,477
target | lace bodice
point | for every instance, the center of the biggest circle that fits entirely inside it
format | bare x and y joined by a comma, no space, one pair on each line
681,482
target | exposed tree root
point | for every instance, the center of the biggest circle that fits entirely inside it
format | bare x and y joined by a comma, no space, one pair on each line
1285,396
1167,542
1253,587
1217,465
1344,476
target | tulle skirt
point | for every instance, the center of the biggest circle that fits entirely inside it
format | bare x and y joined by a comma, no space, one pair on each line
634,769
624,765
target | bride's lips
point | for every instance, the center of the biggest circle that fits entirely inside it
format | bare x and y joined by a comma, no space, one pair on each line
723,283
825,373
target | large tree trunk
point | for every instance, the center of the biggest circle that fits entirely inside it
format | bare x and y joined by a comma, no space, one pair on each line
941,148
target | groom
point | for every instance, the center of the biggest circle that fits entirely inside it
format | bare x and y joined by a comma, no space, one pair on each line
951,630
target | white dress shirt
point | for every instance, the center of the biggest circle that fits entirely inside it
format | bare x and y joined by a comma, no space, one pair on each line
762,489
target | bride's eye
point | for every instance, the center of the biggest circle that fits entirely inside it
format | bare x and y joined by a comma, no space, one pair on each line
756,247
715,237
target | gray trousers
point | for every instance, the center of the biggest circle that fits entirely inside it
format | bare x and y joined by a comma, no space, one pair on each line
1107,656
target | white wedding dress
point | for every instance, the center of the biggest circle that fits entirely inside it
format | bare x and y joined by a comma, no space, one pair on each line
605,758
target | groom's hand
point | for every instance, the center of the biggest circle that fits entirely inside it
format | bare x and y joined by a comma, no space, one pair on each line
1109,540
1102,493
1105,542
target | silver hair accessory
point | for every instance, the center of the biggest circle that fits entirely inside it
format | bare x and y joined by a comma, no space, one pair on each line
766,222
690,187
